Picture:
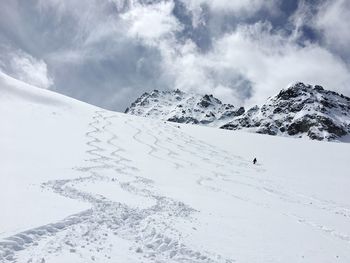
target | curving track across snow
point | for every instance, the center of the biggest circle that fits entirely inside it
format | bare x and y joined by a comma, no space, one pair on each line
149,230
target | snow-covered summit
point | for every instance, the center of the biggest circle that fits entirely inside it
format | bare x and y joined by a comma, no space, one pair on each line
300,111
181,107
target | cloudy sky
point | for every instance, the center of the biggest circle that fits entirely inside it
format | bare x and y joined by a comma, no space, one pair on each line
108,52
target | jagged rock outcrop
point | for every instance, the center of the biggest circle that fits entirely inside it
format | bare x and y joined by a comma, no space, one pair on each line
298,111
181,107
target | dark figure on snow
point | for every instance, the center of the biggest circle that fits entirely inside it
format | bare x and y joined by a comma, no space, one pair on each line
254,161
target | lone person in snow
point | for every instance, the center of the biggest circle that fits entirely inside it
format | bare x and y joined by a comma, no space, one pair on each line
254,161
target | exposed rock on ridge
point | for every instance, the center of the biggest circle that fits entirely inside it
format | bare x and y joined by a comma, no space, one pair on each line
181,107
298,111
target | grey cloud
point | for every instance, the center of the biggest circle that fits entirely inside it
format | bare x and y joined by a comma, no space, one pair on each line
109,52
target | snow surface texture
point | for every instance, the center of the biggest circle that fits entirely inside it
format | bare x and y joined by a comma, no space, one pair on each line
297,111
81,184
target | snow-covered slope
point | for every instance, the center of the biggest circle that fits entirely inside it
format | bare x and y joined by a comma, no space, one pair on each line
82,184
181,107
37,129
297,111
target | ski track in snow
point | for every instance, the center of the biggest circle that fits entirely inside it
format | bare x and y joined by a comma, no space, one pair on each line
284,195
150,229
233,176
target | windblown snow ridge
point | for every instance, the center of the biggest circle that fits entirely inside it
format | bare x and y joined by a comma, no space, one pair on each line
300,110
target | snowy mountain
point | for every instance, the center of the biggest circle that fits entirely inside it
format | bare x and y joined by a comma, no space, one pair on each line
181,107
298,111
82,184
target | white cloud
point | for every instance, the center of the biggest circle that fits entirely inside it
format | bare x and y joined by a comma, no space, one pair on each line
271,61
152,22
333,20
252,55
30,70
240,8
131,44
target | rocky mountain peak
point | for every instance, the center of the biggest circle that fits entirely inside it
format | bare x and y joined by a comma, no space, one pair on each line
299,110
182,107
